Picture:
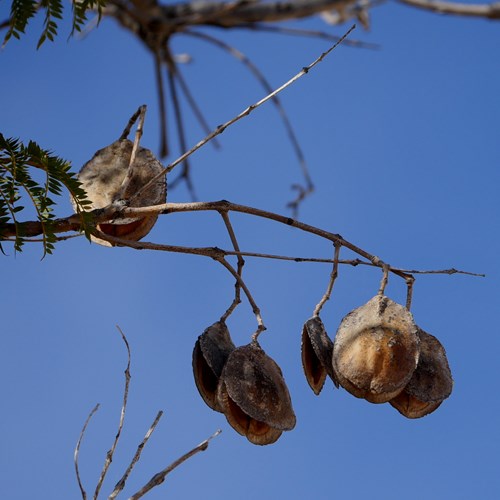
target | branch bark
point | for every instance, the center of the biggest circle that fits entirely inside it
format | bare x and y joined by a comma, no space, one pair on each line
487,11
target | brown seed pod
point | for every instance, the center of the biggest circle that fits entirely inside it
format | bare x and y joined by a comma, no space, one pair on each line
316,351
431,382
254,397
376,350
210,354
107,178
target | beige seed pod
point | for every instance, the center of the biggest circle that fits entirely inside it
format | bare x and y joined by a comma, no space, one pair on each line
376,350
210,354
431,382
107,178
316,351
254,397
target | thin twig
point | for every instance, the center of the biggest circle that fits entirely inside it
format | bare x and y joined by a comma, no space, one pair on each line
158,478
161,104
241,263
130,124
138,134
385,279
244,113
409,291
185,174
255,308
193,104
323,35
333,277
304,191
109,454
121,483
77,451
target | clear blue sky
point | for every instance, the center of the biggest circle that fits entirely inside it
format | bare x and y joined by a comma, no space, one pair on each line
403,145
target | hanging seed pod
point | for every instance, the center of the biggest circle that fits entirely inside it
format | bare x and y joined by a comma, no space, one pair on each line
254,397
376,350
431,382
316,351
210,354
107,178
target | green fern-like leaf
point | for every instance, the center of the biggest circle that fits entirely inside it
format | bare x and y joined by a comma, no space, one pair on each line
22,11
16,182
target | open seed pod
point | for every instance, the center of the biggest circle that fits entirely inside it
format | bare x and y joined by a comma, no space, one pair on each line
317,349
431,382
210,354
376,350
107,178
254,397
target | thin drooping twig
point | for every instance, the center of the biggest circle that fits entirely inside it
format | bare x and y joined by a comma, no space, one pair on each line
185,173
193,104
77,451
308,188
159,478
161,104
121,483
243,114
239,270
255,308
110,453
333,277
323,35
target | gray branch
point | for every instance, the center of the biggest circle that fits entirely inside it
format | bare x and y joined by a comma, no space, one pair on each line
487,11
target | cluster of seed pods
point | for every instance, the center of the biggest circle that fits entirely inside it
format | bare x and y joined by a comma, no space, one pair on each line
244,384
381,355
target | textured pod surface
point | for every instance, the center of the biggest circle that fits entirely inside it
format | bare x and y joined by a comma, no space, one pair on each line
106,178
431,382
376,350
316,351
210,354
254,397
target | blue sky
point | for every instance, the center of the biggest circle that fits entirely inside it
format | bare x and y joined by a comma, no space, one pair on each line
403,146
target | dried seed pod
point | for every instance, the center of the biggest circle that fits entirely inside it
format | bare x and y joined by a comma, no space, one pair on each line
431,382
376,350
254,397
317,349
210,354
107,178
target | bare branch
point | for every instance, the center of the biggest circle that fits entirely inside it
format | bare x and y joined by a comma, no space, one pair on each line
158,478
322,35
241,263
110,453
308,188
385,279
185,175
162,105
77,450
243,114
242,12
121,483
193,104
409,292
487,11
333,277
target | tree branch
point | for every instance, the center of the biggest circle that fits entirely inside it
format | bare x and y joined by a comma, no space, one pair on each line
158,478
488,11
